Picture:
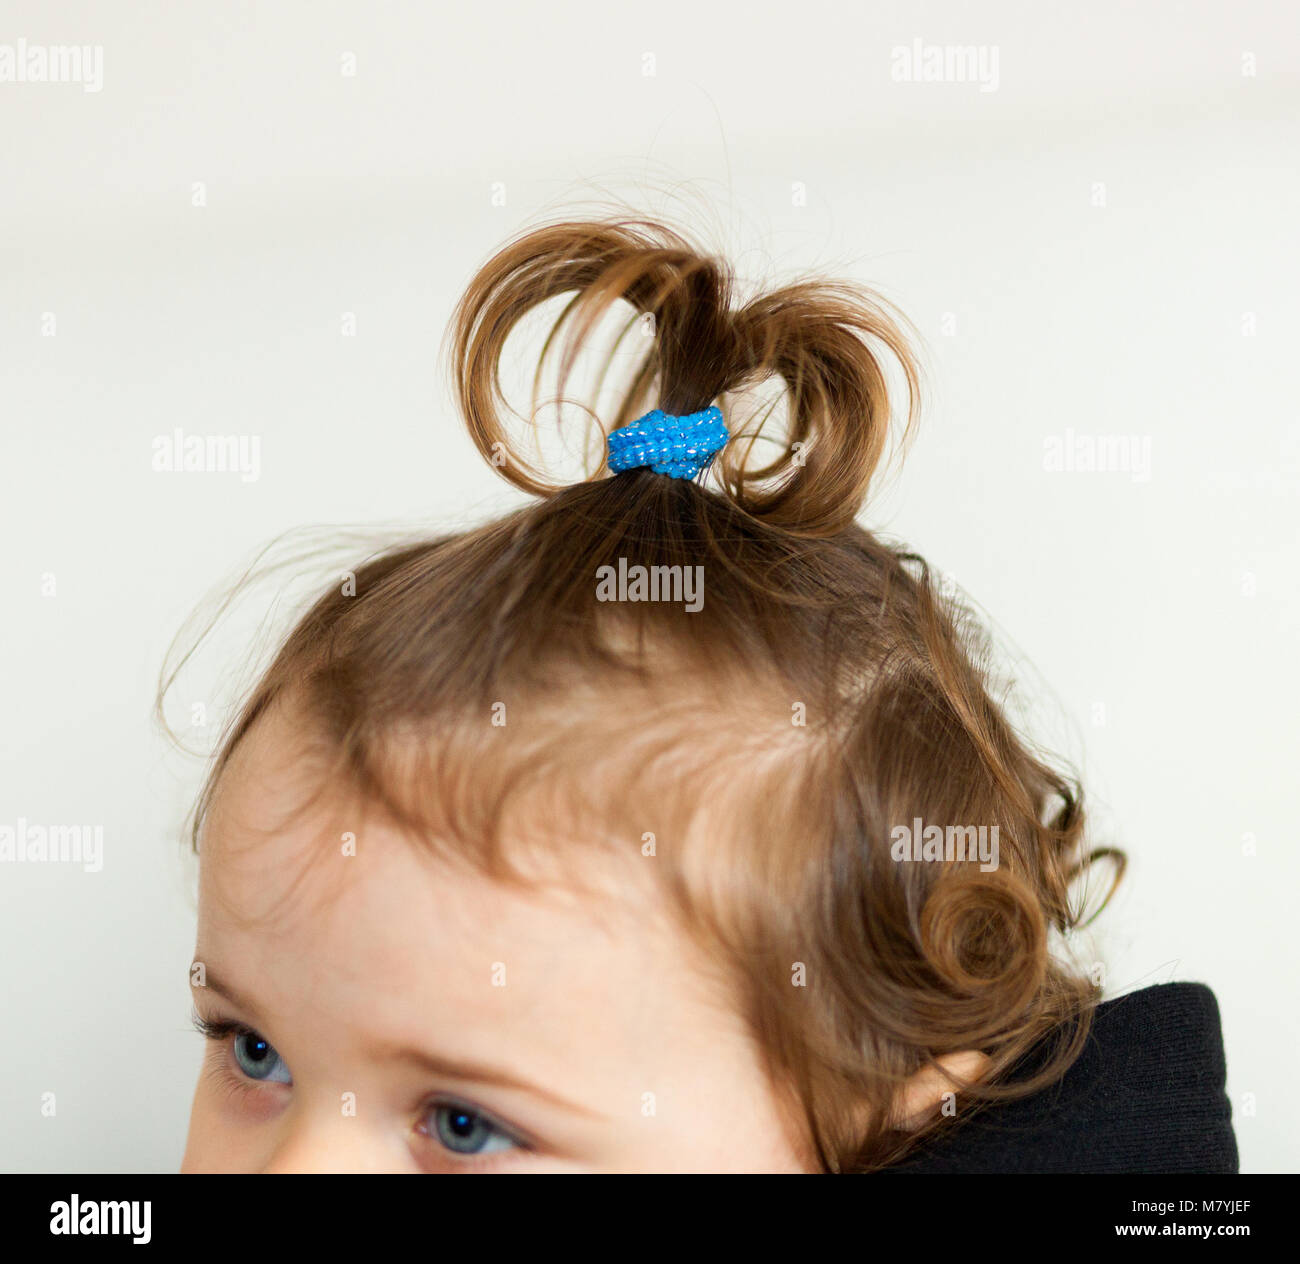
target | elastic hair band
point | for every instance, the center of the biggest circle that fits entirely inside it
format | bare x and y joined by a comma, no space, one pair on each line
677,446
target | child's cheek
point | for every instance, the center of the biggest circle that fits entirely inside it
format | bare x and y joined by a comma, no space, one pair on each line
223,1136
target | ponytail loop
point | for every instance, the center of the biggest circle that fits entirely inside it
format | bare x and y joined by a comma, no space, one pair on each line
821,339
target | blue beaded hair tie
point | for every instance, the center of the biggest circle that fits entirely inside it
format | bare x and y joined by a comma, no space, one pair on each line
677,446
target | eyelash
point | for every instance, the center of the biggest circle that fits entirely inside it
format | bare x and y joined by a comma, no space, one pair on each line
222,1030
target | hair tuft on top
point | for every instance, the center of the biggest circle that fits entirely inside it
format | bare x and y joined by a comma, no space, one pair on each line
826,343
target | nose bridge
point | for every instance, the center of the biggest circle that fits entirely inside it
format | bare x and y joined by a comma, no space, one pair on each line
318,1137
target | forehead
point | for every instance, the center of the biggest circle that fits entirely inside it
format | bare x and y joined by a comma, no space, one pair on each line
323,912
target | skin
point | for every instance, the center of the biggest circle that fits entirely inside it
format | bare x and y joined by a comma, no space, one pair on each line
609,1048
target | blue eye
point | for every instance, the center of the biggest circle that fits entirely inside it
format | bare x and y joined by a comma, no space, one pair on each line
258,1060
464,1131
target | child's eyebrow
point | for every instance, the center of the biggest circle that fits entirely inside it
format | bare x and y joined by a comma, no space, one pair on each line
442,1065
212,983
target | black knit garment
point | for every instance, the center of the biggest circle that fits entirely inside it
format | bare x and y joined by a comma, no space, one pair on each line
1146,1095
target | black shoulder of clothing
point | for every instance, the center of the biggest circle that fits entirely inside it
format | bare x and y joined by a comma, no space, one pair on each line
1146,1095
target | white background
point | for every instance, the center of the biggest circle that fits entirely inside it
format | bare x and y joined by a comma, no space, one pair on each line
1163,615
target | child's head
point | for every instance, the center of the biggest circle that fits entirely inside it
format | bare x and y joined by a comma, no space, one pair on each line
583,839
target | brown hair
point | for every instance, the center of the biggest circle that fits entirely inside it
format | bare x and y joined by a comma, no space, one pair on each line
826,693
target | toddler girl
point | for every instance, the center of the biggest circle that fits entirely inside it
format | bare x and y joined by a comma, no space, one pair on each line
664,824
